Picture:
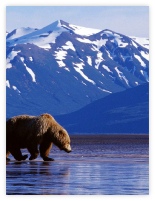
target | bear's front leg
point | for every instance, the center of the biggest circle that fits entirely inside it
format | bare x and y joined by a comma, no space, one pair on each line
45,158
33,151
33,156
45,148
24,157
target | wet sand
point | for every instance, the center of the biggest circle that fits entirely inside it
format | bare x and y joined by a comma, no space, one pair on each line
97,165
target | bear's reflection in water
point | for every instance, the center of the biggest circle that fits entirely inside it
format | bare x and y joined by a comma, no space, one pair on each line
36,168
34,177
99,165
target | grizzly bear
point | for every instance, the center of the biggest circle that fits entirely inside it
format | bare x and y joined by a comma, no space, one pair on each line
26,131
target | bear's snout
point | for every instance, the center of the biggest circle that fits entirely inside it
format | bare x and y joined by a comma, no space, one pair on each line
67,149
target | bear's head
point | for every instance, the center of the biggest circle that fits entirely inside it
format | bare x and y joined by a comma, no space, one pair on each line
62,140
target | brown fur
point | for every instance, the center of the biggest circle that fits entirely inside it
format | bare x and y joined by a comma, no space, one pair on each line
26,131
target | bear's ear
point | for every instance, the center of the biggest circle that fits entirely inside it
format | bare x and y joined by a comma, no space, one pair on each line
60,132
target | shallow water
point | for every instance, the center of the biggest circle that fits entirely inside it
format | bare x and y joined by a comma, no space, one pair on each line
98,165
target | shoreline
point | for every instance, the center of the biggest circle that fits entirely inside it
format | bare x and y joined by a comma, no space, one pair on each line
111,138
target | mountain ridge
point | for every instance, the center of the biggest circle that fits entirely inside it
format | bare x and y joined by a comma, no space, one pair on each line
59,71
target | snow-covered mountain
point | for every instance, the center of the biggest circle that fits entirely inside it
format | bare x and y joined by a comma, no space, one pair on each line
16,33
63,67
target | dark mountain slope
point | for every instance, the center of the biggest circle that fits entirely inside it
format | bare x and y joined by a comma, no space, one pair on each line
122,112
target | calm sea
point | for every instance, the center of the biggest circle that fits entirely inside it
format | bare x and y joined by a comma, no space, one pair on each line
97,165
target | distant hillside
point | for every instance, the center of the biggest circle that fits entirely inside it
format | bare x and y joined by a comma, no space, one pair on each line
122,112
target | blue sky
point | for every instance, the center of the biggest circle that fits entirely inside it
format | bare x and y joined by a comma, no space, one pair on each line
128,20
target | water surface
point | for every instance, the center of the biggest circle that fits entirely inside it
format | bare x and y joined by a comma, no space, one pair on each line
98,165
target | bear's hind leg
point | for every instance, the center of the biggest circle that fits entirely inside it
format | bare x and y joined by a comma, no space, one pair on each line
17,154
45,148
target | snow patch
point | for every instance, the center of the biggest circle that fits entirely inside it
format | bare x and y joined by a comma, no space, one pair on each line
29,70
79,67
61,63
109,55
134,44
76,78
98,43
121,76
8,64
145,55
104,90
101,82
98,60
67,69
22,59
106,68
69,45
45,46
83,83
60,55
84,40
7,83
140,60
89,60
94,48
31,73
30,58
10,57
144,73
15,88
83,30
